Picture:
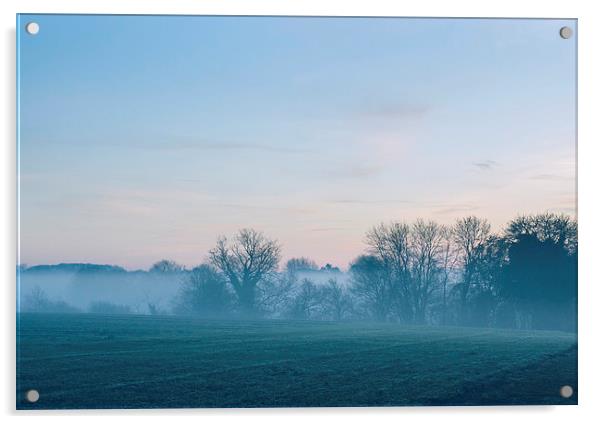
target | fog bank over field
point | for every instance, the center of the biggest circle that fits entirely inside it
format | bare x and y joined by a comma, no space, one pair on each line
419,272
82,285
74,287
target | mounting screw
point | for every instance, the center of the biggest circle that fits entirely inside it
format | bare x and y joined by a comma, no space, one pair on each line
32,28
566,391
32,396
566,32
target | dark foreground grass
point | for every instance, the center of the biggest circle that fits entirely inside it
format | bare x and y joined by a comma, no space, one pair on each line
93,361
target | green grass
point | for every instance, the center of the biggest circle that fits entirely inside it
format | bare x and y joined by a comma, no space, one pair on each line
94,361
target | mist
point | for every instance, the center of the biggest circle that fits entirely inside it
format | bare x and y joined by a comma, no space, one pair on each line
419,273
86,287
111,289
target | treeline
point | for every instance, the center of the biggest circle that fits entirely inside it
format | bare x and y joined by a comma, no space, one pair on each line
38,301
422,272
411,273
104,289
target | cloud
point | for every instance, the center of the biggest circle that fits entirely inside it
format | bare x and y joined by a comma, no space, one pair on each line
264,207
568,210
486,165
456,209
551,177
448,208
437,207
224,146
356,171
325,229
389,110
189,180
367,202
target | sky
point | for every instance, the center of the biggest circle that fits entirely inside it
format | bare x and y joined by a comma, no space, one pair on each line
142,138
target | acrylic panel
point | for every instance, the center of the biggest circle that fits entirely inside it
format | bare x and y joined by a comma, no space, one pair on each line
222,211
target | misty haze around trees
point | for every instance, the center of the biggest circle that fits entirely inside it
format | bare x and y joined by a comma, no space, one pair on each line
416,273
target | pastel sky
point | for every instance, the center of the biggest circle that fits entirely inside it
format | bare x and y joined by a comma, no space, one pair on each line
144,138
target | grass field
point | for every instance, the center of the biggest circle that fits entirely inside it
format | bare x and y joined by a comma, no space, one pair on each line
94,361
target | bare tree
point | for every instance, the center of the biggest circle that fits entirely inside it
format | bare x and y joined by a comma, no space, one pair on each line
559,228
370,283
245,261
390,243
307,301
470,234
426,246
38,301
296,265
204,293
337,302
448,262
166,266
275,293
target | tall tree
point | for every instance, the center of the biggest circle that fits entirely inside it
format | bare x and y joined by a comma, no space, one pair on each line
204,293
541,275
426,246
307,302
370,283
275,293
489,268
337,302
390,243
470,233
559,228
246,261
448,263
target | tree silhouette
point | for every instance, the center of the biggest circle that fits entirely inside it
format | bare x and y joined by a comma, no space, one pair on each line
426,248
245,261
448,261
296,265
166,266
470,234
307,302
204,293
390,244
541,276
337,302
370,283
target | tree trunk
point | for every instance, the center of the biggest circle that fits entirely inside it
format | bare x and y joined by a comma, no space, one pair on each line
246,300
445,303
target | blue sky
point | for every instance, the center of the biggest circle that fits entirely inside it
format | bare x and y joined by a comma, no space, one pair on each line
147,137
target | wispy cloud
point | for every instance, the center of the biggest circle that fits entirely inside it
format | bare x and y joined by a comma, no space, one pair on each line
456,209
568,210
206,145
267,207
551,177
326,229
486,165
367,202
355,171
388,110
439,207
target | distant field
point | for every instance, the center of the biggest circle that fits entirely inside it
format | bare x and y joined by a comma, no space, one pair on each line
93,361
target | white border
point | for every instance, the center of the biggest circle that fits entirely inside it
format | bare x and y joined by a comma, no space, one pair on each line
590,109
